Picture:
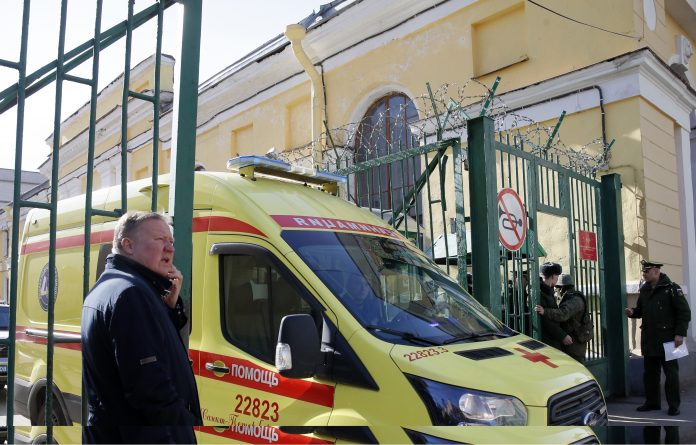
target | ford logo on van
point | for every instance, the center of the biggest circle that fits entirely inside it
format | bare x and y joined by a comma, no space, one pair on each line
591,418
43,287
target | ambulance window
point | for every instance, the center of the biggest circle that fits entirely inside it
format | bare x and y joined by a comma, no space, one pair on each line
256,294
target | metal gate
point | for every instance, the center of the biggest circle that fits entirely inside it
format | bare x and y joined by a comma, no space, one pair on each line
58,71
433,214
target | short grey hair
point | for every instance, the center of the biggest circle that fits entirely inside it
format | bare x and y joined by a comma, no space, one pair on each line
129,223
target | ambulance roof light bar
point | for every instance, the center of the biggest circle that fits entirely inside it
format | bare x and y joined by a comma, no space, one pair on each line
248,165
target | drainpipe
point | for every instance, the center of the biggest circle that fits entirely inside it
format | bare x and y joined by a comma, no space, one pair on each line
295,33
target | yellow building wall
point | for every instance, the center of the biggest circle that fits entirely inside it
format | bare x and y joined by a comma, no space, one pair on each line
661,190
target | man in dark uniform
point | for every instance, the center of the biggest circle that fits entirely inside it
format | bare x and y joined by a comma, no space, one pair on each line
666,315
138,379
569,315
551,332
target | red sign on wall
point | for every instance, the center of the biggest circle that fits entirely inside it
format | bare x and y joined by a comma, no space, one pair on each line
588,245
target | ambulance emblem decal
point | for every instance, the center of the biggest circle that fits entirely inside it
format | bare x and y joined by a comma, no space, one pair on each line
43,287
536,357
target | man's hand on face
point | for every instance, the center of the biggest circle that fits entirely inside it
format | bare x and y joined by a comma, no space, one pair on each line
176,279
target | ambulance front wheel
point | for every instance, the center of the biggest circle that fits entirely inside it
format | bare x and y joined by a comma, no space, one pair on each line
57,416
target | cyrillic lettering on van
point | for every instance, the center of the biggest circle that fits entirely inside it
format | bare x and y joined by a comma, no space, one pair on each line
338,225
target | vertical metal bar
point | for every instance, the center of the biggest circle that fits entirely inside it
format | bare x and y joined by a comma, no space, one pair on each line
509,169
16,215
403,199
556,187
156,106
482,186
186,142
124,109
459,217
532,260
442,172
417,201
526,304
430,209
90,166
53,222
603,297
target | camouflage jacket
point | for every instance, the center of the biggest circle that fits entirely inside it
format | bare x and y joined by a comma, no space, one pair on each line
569,315
570,311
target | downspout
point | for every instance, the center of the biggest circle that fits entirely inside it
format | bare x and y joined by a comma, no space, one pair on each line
295,33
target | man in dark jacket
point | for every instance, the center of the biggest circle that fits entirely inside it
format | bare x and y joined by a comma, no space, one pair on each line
138,378
569,315
666,315
551,332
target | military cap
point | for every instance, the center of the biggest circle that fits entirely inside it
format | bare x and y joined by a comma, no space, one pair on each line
645,264
565,280
549,269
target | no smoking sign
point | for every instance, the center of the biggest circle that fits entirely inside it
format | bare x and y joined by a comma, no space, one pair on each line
512,219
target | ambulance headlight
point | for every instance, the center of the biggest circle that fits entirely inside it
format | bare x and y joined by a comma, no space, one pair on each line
451,405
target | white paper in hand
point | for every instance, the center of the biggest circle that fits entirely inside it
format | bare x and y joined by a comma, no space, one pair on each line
672,352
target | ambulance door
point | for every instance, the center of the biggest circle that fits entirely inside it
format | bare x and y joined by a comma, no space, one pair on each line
248,289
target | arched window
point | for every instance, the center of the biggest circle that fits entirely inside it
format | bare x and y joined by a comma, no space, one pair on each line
384,130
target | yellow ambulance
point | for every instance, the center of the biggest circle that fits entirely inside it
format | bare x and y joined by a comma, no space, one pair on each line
312,321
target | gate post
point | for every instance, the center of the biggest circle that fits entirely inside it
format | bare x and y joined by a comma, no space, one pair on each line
184,146
614,292
485,252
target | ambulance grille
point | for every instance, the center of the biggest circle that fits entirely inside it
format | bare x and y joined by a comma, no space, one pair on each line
485,353
532,344
578,406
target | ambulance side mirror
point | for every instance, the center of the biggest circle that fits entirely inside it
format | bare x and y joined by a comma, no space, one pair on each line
298,349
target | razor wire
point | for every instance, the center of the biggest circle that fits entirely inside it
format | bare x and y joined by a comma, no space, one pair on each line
443,113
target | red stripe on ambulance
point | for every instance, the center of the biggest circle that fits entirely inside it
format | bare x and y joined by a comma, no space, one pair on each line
337,225
104,236
245,373
259,434
223,224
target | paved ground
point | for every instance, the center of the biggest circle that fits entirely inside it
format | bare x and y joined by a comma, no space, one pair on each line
654,426
19,420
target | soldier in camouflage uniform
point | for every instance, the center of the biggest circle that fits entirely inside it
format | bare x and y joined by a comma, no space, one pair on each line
569,314
666,315
551,332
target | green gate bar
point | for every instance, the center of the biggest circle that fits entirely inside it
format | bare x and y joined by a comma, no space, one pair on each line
184,161
21,67
615,288
484,222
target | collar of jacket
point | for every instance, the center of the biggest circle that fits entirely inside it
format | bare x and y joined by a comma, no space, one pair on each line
664,280
545,288
125,264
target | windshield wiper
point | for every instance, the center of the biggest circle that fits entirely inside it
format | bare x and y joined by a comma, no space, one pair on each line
403,334
472,336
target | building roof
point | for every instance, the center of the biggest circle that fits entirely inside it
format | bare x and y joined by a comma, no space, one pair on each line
30,181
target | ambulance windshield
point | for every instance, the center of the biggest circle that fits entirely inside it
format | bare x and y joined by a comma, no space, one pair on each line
394,292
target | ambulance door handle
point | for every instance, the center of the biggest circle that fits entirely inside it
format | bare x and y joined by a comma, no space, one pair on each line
215,368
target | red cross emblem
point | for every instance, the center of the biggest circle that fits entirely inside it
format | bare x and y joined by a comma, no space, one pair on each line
536,357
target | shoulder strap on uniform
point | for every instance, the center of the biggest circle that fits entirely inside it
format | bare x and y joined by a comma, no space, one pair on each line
676,289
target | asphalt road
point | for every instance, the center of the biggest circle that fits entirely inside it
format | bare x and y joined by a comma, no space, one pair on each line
18,420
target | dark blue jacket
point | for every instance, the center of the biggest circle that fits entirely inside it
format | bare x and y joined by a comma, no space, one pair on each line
138,378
